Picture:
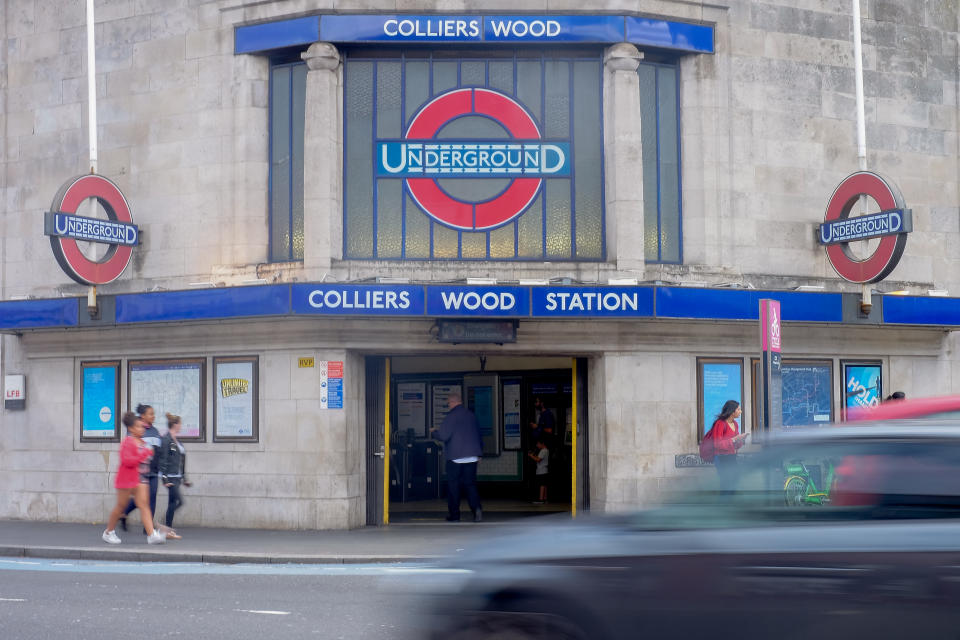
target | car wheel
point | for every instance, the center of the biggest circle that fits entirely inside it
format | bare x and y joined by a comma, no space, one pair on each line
526,620
794,491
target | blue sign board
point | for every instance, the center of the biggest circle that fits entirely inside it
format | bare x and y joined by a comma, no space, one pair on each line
277,35
506,29
592,302
664,34
99,402
352,299
68,225
472,159
401,28
553,29
874,225
489,302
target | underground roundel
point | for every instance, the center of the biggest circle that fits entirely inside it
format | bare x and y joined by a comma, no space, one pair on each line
422,158
891,225
65,229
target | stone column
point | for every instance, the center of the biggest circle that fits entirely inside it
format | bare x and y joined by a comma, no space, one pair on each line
323,159
623,157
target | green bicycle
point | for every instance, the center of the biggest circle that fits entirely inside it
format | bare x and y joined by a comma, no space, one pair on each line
800,488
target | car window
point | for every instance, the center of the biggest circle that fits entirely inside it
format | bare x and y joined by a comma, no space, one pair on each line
784,483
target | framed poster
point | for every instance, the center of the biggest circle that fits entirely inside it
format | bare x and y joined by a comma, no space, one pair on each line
807,391
100,401
171,386
862,385
511,415
440,393
236,410
718,380
412,408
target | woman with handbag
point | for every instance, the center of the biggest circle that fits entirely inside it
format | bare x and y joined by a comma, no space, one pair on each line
133,481
727,440
173,469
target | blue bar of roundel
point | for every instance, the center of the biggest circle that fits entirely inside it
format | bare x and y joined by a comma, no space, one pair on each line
573,302
740,304
276,35
385,28
236,302
30,314
683,36
602,29
478,302
358,300
921,310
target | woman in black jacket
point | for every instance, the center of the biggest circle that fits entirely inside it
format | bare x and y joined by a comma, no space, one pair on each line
173,470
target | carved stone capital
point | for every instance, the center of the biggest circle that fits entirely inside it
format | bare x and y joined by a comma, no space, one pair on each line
622,56
321,56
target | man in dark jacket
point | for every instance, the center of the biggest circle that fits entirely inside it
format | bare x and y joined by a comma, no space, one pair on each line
462,447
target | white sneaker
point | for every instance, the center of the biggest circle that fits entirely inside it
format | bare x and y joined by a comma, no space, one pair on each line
156,538
111,537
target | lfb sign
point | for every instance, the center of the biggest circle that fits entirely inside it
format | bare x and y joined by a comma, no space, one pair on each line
891,225
422,158
65,229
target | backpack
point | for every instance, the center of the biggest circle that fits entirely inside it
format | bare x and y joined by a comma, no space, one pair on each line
708,446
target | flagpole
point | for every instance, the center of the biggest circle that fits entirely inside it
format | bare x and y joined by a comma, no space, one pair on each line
91,88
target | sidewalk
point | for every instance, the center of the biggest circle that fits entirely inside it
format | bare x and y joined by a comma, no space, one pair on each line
394,543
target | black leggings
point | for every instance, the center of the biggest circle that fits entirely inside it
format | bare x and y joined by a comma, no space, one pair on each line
174,502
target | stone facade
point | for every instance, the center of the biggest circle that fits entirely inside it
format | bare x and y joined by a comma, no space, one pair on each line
768,131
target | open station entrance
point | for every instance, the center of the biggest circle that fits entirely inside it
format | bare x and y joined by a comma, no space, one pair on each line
523,405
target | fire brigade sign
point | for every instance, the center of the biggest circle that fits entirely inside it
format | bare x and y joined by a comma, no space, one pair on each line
65,228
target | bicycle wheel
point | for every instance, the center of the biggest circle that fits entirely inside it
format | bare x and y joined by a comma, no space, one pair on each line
794,491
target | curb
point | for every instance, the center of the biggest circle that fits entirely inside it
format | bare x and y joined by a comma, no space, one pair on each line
134,555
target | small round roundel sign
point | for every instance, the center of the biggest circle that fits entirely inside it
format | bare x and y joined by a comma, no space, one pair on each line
65,229
423,157
891,226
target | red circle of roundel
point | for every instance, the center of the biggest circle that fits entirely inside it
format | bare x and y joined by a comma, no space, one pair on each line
76,265
884,260
464,215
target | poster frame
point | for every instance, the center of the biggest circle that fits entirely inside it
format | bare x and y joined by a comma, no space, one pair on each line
787,362
702,363
844,363
421,431
254,362
175,362
115,364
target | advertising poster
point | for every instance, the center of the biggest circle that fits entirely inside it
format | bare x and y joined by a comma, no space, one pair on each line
440,394
170,387
861,385
511,415
100,395
481,403
235,394
412,408
720,381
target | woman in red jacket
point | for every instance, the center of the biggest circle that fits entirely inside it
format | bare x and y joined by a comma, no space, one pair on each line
727,439
133,480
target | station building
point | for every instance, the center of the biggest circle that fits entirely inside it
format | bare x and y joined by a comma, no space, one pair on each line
344,212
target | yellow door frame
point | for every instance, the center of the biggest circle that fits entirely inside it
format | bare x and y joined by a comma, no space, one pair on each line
386,443
573,438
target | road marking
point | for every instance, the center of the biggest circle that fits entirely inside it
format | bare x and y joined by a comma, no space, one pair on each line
12,600
269,613
381,570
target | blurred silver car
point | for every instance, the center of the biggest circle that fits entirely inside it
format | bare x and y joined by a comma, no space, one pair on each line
838,532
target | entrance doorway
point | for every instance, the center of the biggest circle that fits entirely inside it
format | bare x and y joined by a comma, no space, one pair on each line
513,397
